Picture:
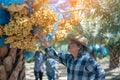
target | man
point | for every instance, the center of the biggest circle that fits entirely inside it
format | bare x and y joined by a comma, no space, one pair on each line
80,66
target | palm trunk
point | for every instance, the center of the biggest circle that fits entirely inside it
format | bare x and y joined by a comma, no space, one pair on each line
114,58
12,64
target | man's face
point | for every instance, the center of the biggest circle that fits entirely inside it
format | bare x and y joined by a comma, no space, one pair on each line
73,47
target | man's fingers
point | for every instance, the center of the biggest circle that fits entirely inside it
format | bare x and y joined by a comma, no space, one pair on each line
42,37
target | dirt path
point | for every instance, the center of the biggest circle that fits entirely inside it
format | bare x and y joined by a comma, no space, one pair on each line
30,73
110,74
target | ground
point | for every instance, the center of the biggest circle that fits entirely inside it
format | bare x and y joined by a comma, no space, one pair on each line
111,74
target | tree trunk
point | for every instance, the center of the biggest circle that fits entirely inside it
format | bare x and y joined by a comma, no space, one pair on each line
114,58
12,64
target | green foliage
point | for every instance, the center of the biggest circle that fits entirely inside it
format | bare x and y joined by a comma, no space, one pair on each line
100,21
114,42
111,26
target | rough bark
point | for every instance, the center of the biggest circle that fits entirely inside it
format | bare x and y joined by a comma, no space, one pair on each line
114,58
12,64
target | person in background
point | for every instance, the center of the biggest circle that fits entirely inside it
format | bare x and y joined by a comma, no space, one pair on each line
97,51
80,65
39,65
52,71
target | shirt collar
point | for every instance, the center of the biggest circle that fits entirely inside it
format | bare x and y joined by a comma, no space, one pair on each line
81,53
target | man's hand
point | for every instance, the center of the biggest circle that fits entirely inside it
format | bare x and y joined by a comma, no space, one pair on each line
58,74
42,37
39,69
